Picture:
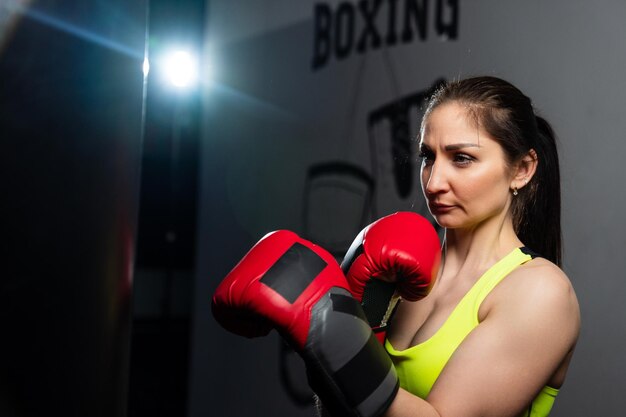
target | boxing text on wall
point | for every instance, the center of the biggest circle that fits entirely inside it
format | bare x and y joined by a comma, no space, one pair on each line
369,24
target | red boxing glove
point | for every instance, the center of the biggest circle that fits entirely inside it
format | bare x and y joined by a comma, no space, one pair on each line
259,294
290,284
397,255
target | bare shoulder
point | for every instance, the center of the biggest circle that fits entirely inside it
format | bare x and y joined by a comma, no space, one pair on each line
544,279
540,288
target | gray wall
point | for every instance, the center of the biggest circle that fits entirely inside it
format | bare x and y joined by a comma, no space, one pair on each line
271,116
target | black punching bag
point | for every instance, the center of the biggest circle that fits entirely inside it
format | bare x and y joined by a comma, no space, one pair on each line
71,96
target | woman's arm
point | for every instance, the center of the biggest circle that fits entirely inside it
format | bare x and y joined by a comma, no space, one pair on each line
531,325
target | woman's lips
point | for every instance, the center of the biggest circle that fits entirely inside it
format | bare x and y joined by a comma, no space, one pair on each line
438,208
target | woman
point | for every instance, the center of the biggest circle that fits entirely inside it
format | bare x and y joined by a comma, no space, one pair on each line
496,334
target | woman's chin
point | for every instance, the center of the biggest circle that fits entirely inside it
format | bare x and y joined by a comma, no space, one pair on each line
446,222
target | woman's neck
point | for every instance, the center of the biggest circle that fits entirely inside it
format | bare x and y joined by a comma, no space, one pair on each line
481,245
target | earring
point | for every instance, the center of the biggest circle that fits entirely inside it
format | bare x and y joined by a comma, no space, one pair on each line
515,191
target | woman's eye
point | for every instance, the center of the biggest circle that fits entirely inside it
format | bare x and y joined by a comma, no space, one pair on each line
462,159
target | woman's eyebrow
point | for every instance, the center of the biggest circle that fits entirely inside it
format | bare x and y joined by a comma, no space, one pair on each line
457,146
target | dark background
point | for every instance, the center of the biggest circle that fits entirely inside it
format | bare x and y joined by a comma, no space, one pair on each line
99,171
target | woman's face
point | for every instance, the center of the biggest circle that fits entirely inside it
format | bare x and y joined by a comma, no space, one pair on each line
464,174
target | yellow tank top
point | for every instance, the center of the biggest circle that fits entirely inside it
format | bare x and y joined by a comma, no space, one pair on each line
419,366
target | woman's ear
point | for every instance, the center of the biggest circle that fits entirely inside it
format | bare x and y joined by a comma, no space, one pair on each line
524,170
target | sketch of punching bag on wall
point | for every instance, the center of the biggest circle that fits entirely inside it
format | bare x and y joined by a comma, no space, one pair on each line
337,200
340,198
392,129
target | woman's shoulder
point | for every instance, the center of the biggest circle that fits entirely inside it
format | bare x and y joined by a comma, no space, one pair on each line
542,274
539,285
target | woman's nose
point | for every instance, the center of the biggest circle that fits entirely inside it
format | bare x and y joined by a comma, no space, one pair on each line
434,178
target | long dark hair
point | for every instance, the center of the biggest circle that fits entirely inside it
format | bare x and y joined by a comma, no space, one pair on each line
509,117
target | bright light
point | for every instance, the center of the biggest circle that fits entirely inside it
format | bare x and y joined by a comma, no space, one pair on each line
146,67
181,69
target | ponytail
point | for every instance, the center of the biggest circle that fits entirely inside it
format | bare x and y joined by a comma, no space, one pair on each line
537,213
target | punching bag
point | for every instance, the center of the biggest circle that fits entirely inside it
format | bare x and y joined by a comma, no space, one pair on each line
71,96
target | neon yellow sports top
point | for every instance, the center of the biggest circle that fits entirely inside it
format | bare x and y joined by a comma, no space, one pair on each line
419,366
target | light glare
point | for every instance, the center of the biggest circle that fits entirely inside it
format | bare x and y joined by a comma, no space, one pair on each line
146,67
181,69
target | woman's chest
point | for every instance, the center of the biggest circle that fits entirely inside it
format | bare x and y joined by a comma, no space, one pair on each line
416,322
